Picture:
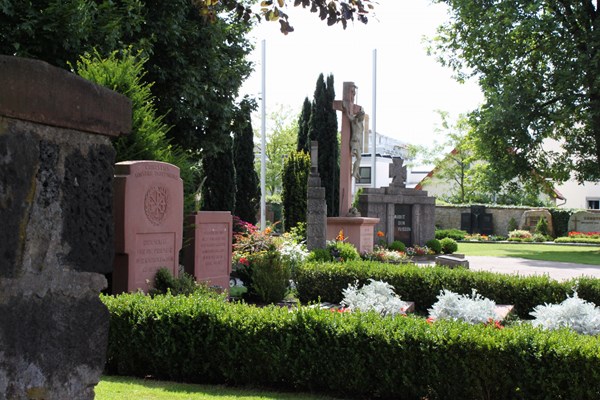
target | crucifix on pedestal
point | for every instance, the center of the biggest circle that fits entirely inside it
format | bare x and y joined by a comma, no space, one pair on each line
353,117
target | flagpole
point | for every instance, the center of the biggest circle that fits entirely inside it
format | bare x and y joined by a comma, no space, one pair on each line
263,140
374,122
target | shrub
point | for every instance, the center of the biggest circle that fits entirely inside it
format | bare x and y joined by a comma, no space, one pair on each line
449,245
270,276
434,245
577,240
376,296
320,255
397,245
473,309
512,225
326,281
542,227
164,282
202,340
573,313
560,220
538,237
343,251
455,234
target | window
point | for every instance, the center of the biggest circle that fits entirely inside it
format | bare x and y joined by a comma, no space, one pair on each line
365,175
594,204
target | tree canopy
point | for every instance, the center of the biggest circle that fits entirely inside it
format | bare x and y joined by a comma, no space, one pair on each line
538,64
332,11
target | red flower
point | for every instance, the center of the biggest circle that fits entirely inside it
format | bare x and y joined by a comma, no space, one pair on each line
380,234
244,260
430,320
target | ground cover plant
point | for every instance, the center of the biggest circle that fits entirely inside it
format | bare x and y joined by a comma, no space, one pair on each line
207,340
580,237
582,255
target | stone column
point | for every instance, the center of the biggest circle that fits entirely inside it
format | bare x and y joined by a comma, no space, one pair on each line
316,213
56,240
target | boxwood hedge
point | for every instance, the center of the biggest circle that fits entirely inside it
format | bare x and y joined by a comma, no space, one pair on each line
352,355
325,282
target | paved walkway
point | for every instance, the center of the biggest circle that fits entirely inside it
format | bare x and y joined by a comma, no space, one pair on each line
509,265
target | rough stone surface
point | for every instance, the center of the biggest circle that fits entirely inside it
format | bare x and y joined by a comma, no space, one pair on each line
56,232
530,219
38,92
448,217
381,203
316,207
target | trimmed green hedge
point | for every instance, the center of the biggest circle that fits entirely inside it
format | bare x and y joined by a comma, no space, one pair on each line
352,355
577,240
325,281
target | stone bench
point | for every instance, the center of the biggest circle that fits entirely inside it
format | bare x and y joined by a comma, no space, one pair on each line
452,261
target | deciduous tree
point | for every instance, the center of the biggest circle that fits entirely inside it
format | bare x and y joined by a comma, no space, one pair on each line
538,64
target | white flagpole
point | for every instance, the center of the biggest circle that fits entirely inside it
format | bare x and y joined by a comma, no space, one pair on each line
374,124
263,141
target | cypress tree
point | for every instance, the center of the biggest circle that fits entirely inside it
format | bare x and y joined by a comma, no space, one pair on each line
247,194
295,180
304,127
323,128
218,192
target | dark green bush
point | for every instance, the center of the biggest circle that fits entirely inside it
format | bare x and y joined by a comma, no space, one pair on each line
270,276
512,225
320,255
434,245
165,281
449,245
455,234
560,220
343,251
325,281
397,245
542,227
194,339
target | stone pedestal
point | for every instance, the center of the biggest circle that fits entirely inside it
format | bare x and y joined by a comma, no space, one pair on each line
208,247
407,215
56,231
316,207
148,206
358,230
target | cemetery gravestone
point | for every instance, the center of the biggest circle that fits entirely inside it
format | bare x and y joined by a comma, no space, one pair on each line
208,253
477,221
584,221
148,205
404,214
56,240
530,219
316,207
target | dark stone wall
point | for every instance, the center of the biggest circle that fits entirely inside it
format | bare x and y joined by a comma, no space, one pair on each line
56,229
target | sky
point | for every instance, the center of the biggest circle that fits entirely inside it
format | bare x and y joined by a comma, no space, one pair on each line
410,85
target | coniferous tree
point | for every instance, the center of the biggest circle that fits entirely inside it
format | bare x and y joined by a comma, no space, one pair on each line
304,127
247,194
218,192
295,180
323,128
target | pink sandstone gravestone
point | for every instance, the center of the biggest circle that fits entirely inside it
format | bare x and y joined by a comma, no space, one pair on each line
148,210
208,255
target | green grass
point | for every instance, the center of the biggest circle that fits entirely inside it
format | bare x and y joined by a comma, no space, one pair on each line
127,388
532,251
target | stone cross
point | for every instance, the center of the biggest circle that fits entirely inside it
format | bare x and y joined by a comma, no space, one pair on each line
398,172
347,107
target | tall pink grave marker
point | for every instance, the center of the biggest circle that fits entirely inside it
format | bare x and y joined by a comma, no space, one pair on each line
148,211
208,254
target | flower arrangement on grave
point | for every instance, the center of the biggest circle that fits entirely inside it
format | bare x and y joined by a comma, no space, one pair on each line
376,296
583,235
265,263
417,250
473,309
574,313
382,254
520,236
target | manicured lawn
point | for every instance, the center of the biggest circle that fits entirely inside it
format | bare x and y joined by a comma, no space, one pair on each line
126,388
573,254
